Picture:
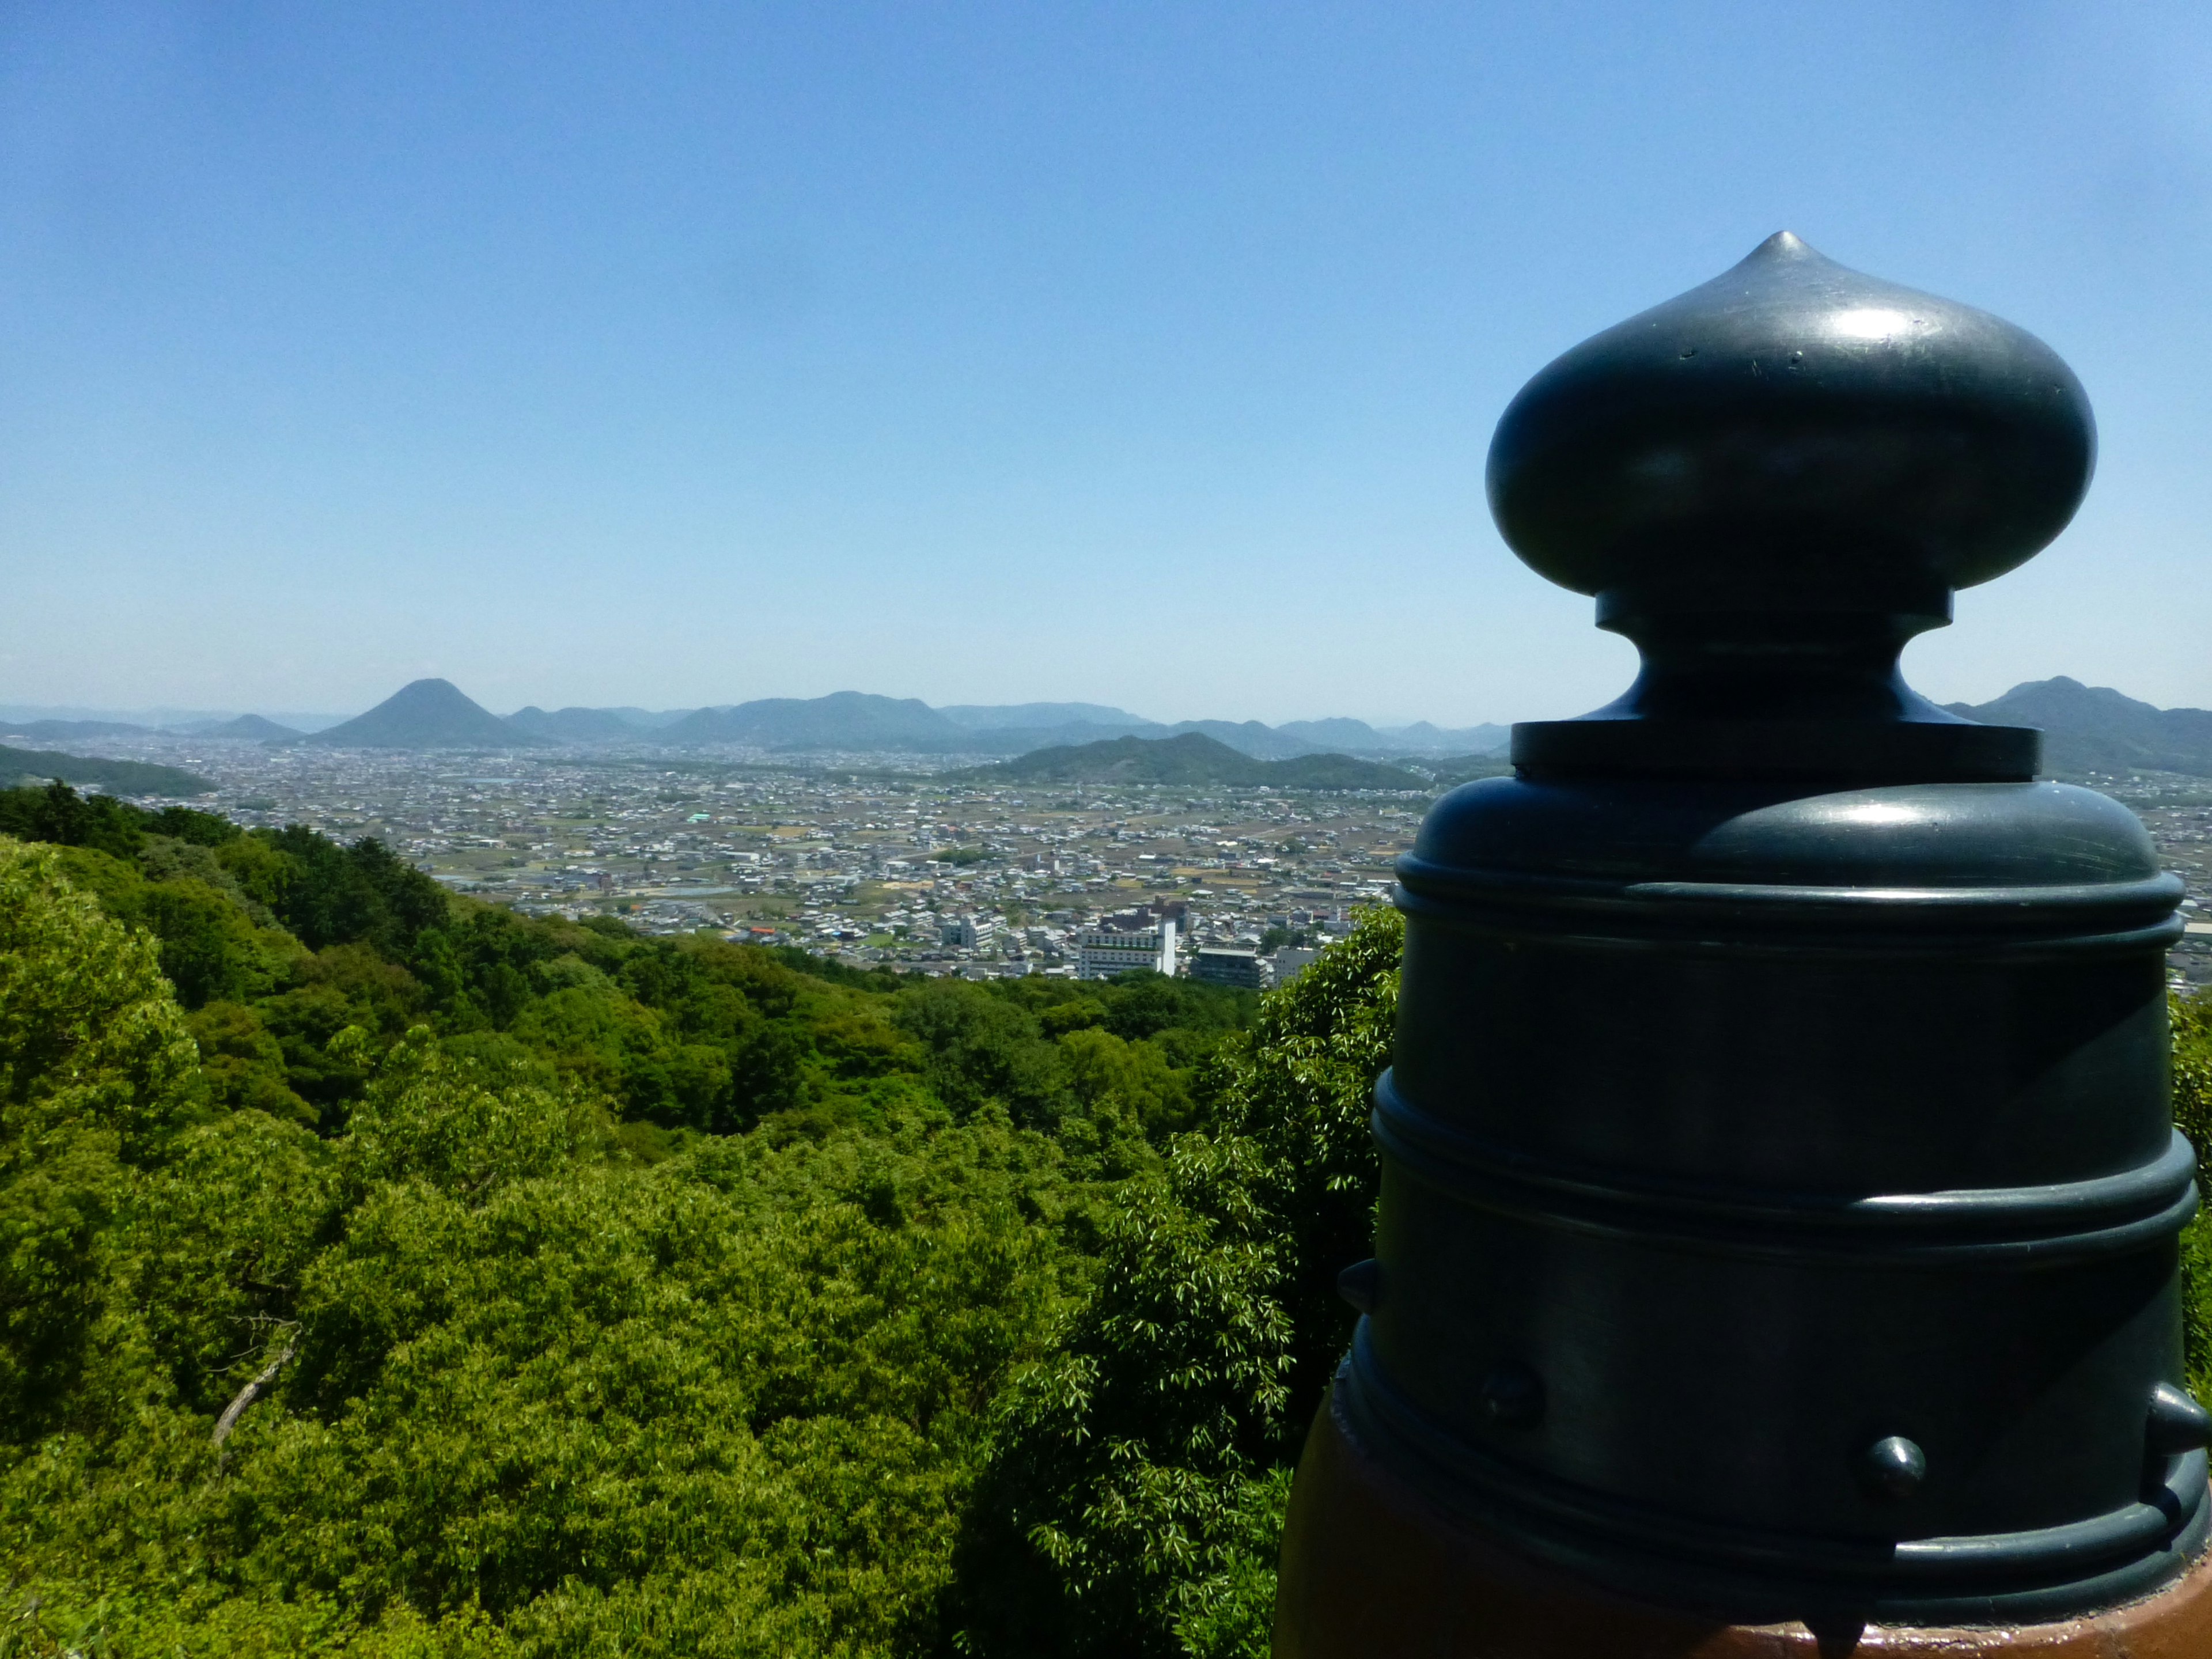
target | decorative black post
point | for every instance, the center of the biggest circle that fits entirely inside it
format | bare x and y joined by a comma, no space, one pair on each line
1779,1206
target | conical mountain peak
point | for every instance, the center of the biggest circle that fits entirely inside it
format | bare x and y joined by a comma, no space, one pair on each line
426,714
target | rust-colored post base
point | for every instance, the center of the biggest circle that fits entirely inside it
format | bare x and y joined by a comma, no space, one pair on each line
1371,1570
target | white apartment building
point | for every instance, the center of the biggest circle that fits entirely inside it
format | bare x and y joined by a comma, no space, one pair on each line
1120,943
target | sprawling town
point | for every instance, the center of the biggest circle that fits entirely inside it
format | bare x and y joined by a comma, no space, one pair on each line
2176,809
917,865
872,859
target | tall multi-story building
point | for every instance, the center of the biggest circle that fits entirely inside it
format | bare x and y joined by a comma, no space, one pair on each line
1225,967
1120,943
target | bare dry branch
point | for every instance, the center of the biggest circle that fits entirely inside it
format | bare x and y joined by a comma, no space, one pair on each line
247,1396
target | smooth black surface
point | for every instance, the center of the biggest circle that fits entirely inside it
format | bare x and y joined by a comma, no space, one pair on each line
1892,1468
1780,1196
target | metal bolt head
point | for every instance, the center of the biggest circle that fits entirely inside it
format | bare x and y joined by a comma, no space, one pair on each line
1892,1468
2178,1424
1512,1394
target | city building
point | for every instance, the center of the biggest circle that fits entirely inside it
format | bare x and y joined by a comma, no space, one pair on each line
1120,943
1221,967
1290,963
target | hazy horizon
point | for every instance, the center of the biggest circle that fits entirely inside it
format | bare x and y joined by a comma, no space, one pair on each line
163,714
1134,355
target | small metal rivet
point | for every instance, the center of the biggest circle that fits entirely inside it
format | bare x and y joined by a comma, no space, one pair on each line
1892,1468
1361,1284
1512,1394
2178,1424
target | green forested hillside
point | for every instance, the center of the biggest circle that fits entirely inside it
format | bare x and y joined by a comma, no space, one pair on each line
1194,758
384,1273
135,777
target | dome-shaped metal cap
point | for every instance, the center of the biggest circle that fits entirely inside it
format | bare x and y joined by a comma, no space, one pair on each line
1792,432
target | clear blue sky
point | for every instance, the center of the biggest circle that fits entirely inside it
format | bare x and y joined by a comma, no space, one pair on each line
671,354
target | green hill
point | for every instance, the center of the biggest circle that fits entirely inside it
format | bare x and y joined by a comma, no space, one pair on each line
2096,729
253,727
390,1276
751,1304
1454,770
116,777
1192,758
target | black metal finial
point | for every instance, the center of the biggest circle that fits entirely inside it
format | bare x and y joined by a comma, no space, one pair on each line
1793,430
1770,483
1776,1074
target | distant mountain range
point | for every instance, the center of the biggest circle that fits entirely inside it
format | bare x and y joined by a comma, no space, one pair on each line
588,726
15,717
437,714
576,724
2086,729
242,726
983,717
1194,758
844,719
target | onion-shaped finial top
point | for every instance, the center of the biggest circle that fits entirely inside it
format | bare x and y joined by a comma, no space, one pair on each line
1794,435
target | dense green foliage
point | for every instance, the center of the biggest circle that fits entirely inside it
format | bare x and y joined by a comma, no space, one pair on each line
385,1274
2192,1116
562,1291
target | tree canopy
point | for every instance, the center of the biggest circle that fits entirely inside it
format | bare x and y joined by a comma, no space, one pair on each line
383,1272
